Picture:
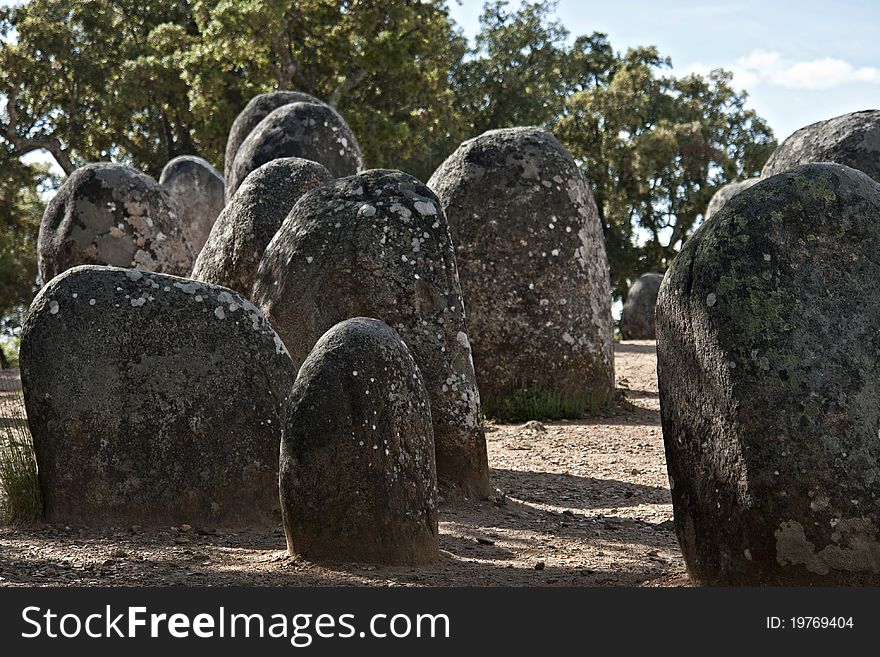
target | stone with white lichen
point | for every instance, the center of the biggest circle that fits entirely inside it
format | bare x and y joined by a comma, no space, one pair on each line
357,473
637,316
851,139
250,221
153,400
257,109
377,245
312,131
199,192
768,355
111,214
534,274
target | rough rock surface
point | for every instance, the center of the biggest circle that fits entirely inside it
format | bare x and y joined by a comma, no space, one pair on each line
533,271
637,316
255,111
198,190
851,139
725,193
357,478
312,131
153,400
250,221
111,214
768,362
377,245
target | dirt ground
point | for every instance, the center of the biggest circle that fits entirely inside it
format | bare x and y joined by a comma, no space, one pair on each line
580,503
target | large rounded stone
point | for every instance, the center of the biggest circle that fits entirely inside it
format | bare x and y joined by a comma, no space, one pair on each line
257,109
153,400
377,245
769,363
198,190
533,271
357,456
637,317
725,193
312,131
253,216
111,214
851,139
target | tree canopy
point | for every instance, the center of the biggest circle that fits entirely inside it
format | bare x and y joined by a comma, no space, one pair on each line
143,82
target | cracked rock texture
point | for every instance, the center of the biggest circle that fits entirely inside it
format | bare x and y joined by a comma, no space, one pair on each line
851,139
725,193
247,225
257,109
637,316
768,364
153,400
111,214
533,267
377,245
358,480
312,131
199,192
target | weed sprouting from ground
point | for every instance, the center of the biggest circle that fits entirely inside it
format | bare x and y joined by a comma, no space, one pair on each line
21,501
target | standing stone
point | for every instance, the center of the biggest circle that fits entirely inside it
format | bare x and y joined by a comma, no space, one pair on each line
725,193
253,216
111,214
153,400
198,190
312,131
637,317
377,245
357,455
851,139
534,273
768,363
255,111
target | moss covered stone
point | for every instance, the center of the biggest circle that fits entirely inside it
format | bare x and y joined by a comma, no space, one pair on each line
768,363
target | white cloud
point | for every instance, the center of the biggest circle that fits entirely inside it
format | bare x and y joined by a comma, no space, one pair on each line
765,67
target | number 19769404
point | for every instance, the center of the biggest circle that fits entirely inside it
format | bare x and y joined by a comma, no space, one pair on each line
809,623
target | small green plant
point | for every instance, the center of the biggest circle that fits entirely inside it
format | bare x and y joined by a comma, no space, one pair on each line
539,403
21,500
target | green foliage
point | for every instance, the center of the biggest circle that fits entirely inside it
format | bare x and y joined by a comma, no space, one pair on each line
21,209
89,80
384,64
21,497
539,403
653,147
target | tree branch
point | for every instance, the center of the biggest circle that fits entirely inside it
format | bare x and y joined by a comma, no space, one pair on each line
347,85
23,145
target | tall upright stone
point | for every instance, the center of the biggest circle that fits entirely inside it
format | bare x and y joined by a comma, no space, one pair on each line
725,193
768,362
312,131
637,316
250,221
153,400
199,192
357,478
533,271
377,245
257,109
851,139
111,214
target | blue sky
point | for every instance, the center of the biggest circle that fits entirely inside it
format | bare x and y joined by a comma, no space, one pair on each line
800,62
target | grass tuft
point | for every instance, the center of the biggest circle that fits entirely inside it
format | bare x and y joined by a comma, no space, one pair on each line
539,403
21,500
